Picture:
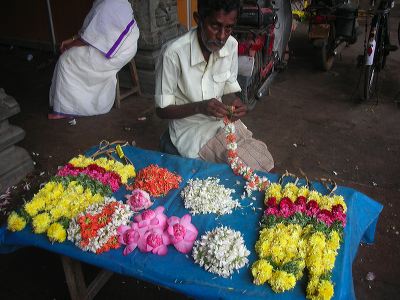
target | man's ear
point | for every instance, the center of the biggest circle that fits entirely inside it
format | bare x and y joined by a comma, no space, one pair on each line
196,17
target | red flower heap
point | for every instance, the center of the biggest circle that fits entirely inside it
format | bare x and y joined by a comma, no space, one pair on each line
156,181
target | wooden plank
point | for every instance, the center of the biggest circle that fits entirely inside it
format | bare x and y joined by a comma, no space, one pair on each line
74,276
133,89
76,281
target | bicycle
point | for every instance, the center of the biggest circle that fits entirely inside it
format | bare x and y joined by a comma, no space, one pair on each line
376,49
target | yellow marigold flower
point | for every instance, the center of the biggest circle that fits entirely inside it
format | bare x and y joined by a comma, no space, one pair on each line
290,191
262,248
325,202
56,233
325,290
57,191
278,253
329,258
334,240
41,223
80,161
314,195
34,206
15,222
312,286
57,212
337,199
315,266
303,191
302,248
317,242
301,264
274,190
262,271
282,281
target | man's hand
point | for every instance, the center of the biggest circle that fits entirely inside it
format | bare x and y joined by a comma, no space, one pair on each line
213,107
240,109
67,44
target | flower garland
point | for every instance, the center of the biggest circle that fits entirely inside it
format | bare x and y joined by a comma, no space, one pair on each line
67,195
301,229
221,251
152,231
124,171
156,181
95,172
208,196
254,182
95,229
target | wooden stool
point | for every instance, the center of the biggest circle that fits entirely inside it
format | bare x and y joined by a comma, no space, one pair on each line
134,88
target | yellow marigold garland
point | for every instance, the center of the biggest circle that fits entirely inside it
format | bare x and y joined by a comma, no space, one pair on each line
125,171
64,197
301,229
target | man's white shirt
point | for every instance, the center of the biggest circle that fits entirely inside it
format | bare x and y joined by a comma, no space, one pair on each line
183,76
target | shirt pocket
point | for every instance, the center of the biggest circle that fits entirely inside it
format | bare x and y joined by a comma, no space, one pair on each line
219,82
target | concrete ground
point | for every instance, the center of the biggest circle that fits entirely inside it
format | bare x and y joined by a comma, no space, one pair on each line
310,121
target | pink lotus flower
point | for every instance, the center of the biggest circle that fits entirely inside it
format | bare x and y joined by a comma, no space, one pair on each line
154,240
152,218
312,208
139,200
182,233
286,208
129,236
325,216
300,204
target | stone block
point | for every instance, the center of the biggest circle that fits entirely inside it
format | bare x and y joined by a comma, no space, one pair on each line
15,164
8,106
10,136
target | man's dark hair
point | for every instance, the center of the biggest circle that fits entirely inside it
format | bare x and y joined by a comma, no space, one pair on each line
206,7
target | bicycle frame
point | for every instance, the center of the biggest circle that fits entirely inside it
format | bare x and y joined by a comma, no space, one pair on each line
378,30
375,37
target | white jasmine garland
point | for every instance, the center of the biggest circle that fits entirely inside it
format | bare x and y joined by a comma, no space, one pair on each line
221,251
208,196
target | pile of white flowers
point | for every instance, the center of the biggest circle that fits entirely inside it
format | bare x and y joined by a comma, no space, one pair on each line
221,251
120,216
208,196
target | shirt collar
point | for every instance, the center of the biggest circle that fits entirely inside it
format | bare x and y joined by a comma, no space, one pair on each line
196,55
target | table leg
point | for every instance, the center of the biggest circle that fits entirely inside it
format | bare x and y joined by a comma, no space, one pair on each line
76,281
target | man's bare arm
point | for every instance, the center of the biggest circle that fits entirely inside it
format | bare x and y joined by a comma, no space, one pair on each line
211,107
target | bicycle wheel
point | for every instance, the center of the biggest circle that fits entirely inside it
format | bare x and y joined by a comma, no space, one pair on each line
249,90
370,81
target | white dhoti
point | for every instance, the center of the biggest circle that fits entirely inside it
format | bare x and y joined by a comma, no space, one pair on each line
84,79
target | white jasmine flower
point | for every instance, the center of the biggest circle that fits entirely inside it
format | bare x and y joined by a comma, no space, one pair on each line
208,196
221,251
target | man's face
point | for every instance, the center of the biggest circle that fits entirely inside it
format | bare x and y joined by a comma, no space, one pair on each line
216,29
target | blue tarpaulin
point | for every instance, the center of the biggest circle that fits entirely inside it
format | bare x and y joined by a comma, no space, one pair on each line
179,272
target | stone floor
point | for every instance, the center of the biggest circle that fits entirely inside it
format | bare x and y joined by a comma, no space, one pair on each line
310,121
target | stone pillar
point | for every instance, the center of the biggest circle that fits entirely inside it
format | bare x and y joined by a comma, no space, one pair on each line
158,23
15,162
